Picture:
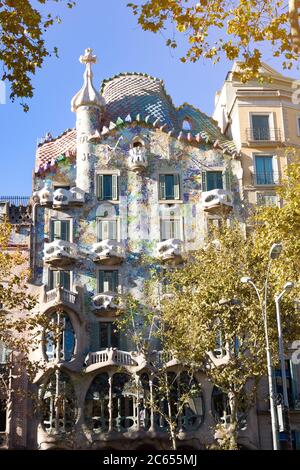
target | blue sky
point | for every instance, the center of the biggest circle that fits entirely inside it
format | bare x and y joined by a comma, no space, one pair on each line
112,31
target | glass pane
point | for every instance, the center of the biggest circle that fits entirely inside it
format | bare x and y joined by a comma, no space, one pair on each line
103,336
115,336
169,186
264,170
110,281
65,279
107,187
260,125
214,180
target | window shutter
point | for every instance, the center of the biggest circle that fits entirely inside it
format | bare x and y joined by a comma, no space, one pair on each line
115,195
112,231
99,230
65,280
115,282
177,229
275,169
293,369
227,180
165,229
204,181
65,230
56,230
162,187
101,282
100,187
54,279
105,230
94,336
176,187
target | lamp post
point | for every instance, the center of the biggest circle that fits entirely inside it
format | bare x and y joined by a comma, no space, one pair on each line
274,253
288,286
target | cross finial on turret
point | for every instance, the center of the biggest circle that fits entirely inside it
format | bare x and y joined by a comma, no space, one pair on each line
88,57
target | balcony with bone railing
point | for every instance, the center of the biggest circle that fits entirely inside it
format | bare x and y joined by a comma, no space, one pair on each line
138,160
60,253
59,296
217,201
108,252
59,198
115,357
170,250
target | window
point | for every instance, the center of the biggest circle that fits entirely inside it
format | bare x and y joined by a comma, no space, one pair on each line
278,383
186,125
109,336
59,278
260,127
107,229
60,230
108,281
63,347
107,187
212,180
264,169
266,200
169,187
170,228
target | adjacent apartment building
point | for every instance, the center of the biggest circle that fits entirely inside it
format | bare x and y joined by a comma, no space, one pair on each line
136,176
263,119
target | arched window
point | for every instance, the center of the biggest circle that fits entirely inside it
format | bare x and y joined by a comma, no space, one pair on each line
124,392
96,404
187,125
219,403
60,338
185,401
58,404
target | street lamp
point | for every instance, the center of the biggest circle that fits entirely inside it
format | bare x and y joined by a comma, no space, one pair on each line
288,286
274,253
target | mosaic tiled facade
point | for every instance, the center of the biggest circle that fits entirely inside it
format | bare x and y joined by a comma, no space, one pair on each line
137,176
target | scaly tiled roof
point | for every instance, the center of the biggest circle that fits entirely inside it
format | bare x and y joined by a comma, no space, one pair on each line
139,97
48,153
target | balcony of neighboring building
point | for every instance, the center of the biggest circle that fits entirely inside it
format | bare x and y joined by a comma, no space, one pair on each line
262,132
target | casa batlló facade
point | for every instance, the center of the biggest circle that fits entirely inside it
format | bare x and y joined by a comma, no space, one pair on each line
137,177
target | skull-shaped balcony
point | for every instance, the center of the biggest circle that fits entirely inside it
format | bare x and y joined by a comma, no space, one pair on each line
60,197
217,201
170,250
60,253
108,252
105,303
138,160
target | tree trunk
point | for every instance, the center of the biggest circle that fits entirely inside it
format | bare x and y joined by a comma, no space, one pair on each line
233,428
171,423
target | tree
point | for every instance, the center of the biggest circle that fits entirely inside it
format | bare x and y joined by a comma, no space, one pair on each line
22,43
238,29
171,392
215,321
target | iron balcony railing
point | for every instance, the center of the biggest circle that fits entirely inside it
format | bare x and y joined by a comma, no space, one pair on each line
265,134
16,200
265,178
